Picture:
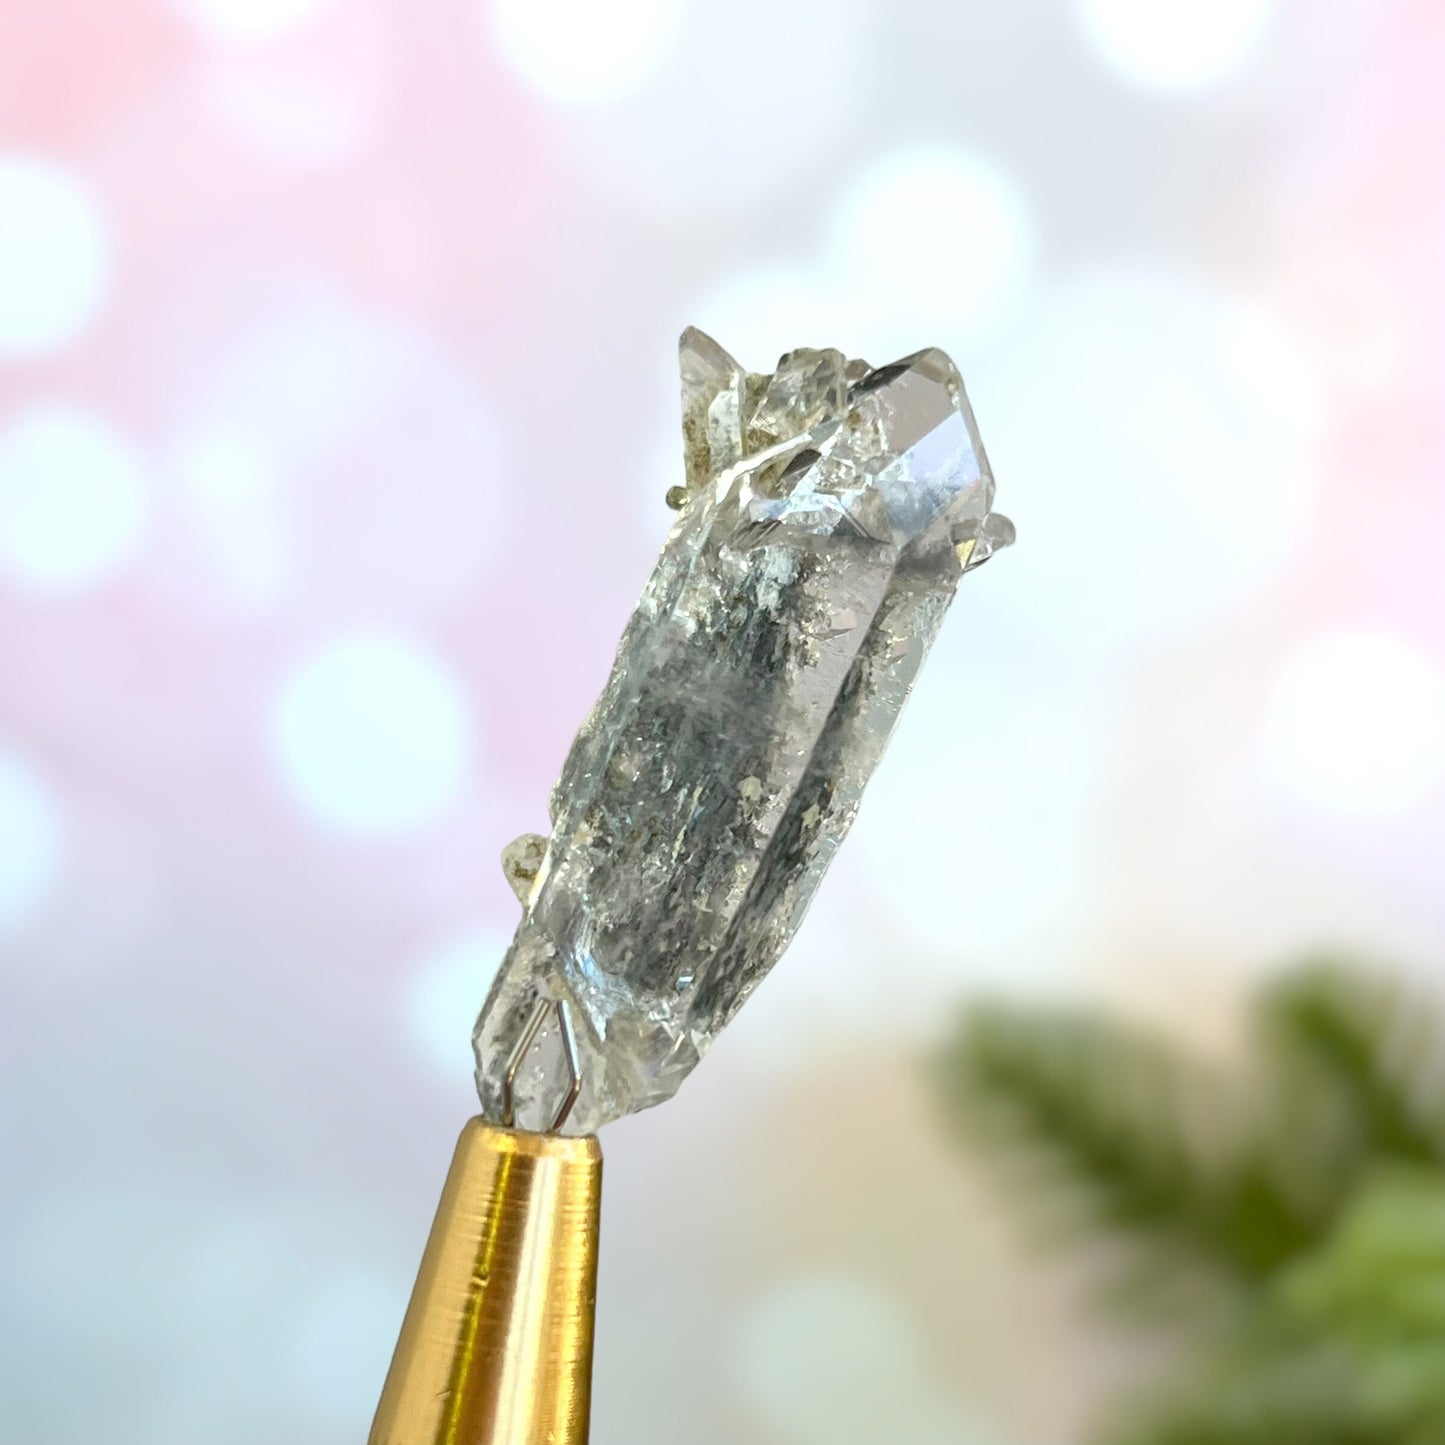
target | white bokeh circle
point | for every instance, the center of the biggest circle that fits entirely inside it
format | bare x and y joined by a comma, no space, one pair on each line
829,1359
1355,724
74,500
373,735
580,52
1180,45
31,842
957,272
988,799
250,21
732,118
1154,438
54,257
445,995
231,494
933,247
320,408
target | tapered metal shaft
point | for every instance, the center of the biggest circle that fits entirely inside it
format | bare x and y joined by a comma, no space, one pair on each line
496,1346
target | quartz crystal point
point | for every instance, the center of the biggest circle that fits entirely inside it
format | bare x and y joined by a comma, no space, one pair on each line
828,513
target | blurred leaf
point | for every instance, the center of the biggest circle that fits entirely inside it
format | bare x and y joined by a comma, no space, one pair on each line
1309,1180
1279,1396
1142,1141
1380,1278
1373,1043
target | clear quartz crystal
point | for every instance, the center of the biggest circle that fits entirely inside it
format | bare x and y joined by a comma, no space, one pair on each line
828,513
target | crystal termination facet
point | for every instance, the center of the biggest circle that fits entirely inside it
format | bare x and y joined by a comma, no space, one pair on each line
827,515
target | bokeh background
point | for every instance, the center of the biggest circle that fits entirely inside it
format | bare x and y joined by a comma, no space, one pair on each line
337,405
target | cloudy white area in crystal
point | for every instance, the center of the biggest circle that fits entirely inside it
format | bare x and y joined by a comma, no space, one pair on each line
828,513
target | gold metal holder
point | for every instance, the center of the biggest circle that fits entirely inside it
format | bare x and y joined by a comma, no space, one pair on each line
496,1346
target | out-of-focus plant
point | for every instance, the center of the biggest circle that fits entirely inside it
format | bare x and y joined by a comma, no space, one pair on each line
1285,1210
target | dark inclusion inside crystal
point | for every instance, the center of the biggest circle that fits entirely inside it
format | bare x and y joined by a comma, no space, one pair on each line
829,512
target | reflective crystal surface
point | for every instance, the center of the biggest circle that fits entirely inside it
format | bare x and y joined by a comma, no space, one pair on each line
828,513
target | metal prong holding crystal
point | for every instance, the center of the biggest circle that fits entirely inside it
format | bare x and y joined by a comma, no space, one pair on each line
827,513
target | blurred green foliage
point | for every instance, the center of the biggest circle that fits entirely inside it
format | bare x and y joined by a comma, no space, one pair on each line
1284,1208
